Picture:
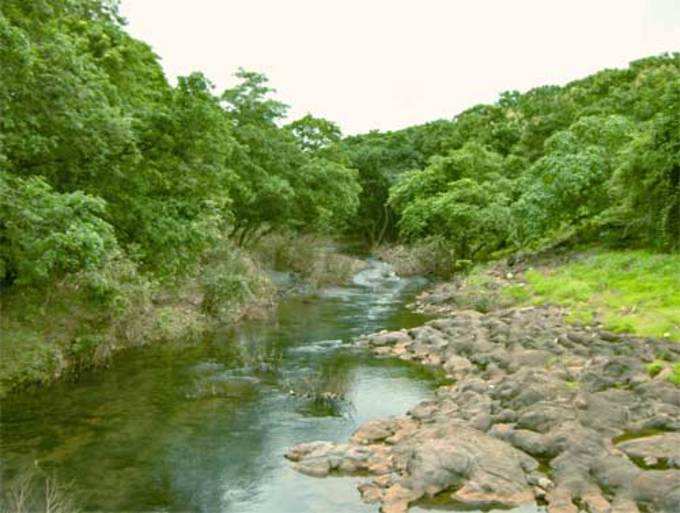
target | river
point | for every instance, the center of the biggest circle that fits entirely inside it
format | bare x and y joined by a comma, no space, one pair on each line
204,428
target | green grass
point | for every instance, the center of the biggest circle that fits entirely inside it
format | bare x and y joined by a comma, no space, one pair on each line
675,374
627,291
654,368
657,366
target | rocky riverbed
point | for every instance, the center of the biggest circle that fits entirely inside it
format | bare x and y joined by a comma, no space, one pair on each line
539,411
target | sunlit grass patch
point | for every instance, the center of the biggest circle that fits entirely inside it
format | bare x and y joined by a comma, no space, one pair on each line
675,374
627,291
582,316
654,368
517,292
658,366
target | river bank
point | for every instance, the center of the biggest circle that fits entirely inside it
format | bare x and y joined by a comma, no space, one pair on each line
57,333
543,411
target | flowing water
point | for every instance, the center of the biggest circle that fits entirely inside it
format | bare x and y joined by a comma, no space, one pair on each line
204,428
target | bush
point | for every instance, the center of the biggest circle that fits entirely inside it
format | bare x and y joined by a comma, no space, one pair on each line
312,257
72,323
432,256
232,283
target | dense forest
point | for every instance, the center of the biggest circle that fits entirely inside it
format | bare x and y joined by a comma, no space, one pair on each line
115,182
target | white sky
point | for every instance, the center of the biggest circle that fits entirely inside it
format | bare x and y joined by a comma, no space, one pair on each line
387,64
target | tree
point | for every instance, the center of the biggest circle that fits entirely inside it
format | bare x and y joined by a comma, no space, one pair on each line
648,179
315,134
569,185
45,234
473,217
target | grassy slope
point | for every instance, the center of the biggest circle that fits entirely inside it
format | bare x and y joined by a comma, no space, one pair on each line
627,291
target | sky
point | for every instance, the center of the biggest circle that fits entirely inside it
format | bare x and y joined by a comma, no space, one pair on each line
388,64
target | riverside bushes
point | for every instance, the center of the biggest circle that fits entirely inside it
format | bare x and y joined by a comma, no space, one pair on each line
60,329
314,258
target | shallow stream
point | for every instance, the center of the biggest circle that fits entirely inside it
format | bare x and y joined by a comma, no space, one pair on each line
204,428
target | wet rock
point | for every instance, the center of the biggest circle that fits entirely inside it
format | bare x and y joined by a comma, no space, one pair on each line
490,470
457,365
528,388
664,447
387,338
560,500
373,431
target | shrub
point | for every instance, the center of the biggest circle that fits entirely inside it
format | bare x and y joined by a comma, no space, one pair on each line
33,491
313,258
432,256
231,281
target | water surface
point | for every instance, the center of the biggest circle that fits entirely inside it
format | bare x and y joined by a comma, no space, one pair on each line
204,428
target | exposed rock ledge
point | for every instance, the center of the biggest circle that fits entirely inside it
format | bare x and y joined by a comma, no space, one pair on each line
534,415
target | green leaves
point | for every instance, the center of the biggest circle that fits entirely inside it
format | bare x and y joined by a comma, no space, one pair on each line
46,234
315,134
291,177
461,197
648,178
248,101
598,159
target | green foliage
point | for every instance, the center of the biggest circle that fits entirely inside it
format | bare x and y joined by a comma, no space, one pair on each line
379,160
315,134
648,179
46,235
461,197
86,108
291,177
327,195
230,280
568,186
595,160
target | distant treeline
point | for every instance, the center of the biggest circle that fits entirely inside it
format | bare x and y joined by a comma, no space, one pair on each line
595,160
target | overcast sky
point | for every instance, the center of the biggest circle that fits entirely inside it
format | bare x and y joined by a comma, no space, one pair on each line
387,64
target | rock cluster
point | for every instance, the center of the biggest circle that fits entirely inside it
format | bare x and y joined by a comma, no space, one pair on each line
538,411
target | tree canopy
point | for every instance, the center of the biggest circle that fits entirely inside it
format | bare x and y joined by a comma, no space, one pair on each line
594,160
99,151
101,155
